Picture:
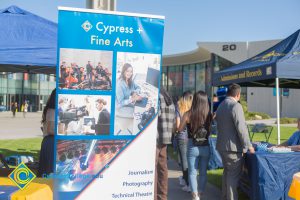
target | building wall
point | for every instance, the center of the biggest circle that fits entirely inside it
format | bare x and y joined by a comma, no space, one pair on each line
233,51
225,54
264,100
290,104
255,48
237,52
261,100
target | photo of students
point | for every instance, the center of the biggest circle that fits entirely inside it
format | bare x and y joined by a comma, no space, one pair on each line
84,114
137,81
85,69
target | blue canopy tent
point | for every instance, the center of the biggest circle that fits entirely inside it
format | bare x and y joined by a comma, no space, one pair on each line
277,66
28,43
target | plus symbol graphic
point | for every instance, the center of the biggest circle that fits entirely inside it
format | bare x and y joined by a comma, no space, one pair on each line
139,30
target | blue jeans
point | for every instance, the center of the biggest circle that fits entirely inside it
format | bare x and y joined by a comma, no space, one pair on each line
182,149
198,157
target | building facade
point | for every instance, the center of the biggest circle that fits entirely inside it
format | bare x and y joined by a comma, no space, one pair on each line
193,71
20,87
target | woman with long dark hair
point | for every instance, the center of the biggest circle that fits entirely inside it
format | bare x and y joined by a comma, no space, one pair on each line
46,162
198,121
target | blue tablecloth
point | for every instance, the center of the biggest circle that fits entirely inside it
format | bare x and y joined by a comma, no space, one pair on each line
270,174
215,160
7,191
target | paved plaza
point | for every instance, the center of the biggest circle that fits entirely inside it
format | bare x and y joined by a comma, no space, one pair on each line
175,192
20,127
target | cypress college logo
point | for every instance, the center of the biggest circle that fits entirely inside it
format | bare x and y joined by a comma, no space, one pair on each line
87,26
22,176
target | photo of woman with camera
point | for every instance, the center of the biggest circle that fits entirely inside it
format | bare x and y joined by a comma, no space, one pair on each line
127,92
78,114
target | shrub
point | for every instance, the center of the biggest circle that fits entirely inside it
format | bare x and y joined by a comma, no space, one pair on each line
244,104
251,115
286,120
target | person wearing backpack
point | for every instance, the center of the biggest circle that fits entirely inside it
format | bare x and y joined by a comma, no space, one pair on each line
198,122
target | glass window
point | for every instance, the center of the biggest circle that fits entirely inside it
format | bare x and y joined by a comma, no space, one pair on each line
42,77
208,78
200,76
221,63
164,77
175,81
189,78
18,76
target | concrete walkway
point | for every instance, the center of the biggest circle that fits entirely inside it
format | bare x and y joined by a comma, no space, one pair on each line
20,127
175,192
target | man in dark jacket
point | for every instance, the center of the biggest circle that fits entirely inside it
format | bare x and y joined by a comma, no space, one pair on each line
165,124
103,123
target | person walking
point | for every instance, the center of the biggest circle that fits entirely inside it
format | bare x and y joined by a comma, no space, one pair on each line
25,109
232,141
198,122
13,109
16,107
165,124
183,105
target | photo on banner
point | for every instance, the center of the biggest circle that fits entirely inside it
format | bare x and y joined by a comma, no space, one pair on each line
137,81
80,161
83,114
107,104
82,69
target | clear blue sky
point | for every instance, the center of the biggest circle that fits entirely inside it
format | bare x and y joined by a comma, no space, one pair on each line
190,21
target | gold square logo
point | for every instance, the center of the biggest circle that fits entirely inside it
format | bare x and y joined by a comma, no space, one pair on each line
22,176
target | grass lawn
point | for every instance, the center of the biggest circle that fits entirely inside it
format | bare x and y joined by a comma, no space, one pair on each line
215,176
285,133
30,146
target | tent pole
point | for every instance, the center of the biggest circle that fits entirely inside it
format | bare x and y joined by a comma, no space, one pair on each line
278,110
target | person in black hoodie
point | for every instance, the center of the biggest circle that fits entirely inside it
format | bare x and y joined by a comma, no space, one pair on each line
166,121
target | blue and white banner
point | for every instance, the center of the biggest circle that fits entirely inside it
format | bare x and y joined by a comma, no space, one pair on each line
108,79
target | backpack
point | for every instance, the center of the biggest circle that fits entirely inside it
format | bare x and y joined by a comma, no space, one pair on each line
199,137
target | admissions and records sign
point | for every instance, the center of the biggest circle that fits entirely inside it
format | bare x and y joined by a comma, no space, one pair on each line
108,79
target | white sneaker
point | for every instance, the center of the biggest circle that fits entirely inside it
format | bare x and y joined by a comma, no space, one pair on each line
181,181
186,188
196,198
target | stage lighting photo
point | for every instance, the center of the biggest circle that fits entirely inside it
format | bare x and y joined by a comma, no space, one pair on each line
84,164
63,158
